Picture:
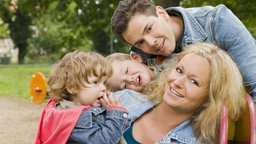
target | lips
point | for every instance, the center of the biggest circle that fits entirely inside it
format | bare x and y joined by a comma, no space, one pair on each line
175,93
138,80
160,46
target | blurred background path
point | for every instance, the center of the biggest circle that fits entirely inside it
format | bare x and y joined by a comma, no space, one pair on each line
18,120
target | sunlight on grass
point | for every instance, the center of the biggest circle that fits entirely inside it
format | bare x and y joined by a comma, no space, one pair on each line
15,79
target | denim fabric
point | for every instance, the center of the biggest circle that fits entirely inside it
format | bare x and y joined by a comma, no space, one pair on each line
135,103
182,134
218,25
98,126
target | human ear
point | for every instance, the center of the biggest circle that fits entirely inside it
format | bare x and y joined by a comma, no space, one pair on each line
160,11
136,57
71,89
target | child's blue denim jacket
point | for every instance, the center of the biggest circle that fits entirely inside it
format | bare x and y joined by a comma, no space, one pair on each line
98,126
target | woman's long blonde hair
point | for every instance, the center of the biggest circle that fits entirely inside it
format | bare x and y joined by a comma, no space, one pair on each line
226,84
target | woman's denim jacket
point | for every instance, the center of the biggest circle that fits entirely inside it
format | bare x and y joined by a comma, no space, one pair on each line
218,25
137,104
98,126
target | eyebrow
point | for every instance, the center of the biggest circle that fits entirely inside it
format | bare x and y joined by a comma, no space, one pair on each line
144,31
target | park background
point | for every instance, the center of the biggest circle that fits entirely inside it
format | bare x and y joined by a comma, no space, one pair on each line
36,34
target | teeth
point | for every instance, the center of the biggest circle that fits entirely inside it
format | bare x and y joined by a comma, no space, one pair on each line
175,92
138,80
160,46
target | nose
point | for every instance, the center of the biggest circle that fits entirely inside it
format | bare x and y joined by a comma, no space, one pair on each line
103,87
151,41
179,82
129,79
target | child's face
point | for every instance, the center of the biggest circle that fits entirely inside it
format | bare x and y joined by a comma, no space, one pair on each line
129,74
187,85
91,94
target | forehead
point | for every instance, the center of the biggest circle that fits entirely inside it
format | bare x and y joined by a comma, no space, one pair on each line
115,80
136,26
196,65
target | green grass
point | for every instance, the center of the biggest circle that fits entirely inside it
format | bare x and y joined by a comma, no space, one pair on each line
15,79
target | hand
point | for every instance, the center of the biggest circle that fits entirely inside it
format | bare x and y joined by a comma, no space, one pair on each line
108,100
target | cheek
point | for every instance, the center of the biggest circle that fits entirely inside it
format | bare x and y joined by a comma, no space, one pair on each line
171,77
198,97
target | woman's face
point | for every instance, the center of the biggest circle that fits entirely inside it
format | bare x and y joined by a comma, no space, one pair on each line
187,85
129,74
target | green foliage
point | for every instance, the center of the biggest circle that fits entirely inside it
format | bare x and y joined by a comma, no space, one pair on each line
18,22
245,10
59,27
55,35
15,80
95,16
63,26
4,32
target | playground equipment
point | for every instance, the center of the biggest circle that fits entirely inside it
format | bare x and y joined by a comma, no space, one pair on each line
38,88
242,131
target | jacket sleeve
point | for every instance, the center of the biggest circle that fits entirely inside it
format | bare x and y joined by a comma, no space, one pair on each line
231,35
135,103
104,129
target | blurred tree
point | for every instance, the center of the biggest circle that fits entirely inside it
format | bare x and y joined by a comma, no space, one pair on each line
83,20
63,26
18,23
57,31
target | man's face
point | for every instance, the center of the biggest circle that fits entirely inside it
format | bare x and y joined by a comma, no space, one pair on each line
129,74
151,34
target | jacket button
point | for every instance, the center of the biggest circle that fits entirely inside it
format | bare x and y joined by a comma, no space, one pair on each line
125,115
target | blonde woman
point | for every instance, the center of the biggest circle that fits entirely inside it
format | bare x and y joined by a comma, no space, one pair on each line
189,97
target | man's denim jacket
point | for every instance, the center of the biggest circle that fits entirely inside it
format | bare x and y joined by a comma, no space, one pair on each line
137,104
218,25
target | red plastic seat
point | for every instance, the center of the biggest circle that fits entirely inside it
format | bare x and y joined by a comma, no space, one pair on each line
223,134
241,132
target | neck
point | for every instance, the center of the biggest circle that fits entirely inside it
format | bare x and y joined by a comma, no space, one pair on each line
169,116
178,26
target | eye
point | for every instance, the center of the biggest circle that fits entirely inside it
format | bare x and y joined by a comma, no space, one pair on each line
139,43
178,70
95,82
149,29
195,82
126,70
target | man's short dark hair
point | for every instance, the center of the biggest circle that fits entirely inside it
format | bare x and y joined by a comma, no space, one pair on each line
125,10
